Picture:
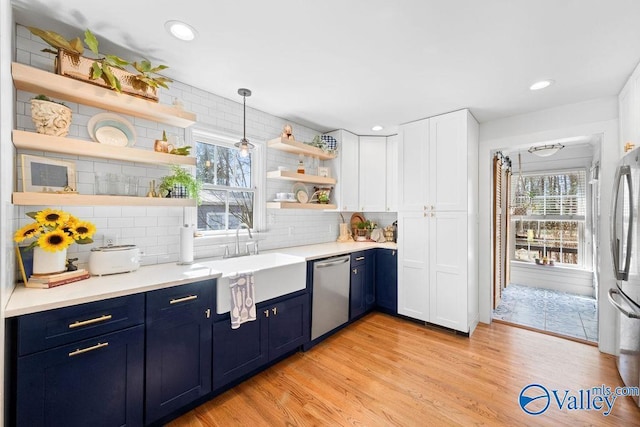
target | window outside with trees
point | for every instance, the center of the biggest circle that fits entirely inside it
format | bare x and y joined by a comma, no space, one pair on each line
549,216
228,192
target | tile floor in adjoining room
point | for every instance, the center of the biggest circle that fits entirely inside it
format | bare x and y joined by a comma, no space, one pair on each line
558,312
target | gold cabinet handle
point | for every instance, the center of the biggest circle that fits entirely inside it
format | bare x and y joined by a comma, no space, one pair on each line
208,313
360,258
266,313
88,349
79,323
355,271
275,311
183,299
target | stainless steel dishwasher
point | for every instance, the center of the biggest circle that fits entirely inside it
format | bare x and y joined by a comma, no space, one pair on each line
330,305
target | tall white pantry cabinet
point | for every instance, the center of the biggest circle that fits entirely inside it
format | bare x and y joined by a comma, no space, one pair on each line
438,220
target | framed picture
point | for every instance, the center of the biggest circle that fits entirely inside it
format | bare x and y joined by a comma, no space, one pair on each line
47,175
323,171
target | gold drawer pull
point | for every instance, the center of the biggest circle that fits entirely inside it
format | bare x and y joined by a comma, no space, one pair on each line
85,350
184,299
360,258
79,323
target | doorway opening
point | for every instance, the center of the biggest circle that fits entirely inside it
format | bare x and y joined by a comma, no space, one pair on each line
546,212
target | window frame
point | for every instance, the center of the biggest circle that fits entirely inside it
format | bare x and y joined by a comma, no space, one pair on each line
204,134
584,221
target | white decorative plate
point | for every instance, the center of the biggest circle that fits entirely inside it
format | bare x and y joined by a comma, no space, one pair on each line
110,135
116,125
300,191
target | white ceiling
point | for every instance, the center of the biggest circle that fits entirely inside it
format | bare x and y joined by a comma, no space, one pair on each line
355,63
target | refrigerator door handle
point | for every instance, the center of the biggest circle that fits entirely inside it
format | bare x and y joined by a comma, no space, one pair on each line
616,304
622,274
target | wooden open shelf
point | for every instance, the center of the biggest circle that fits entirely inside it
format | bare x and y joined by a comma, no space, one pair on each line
296,147
294,205
36,199
300,177
38,81
56,144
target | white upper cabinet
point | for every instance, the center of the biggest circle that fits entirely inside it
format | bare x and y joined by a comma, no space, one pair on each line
345,167
413,152
373,174
447,174
392,173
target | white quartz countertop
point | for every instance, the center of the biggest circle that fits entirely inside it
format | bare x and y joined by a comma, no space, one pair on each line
148,278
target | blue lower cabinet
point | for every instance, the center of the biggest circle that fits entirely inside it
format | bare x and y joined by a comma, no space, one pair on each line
362,294
237,352
94,382
179,342
386,280
280,327
288,324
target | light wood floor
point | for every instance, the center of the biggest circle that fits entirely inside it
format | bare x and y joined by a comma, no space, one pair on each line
385,371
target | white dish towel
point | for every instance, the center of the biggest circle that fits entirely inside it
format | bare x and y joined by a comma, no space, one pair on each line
243,299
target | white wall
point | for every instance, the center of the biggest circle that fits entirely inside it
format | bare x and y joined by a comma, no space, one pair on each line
597,117
561,279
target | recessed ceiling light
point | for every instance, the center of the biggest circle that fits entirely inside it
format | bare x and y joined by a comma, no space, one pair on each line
541,84
180,30
377,128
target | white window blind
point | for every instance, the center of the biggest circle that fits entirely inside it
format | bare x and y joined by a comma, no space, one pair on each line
560,195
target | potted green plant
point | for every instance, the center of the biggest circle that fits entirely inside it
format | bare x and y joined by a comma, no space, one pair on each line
181,184
104,70
362,229
50,117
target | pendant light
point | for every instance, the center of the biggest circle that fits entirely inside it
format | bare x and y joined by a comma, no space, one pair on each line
244,145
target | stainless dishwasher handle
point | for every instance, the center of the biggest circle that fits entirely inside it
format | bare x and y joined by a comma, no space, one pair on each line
332,263
617,305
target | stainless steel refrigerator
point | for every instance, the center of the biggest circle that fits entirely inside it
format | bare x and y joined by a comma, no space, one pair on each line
625,245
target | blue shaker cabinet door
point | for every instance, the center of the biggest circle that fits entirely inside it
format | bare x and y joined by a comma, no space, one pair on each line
386,279
178,369
237,352
289,326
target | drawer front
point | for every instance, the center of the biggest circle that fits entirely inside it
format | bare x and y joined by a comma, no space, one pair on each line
177,299
48,329
358,258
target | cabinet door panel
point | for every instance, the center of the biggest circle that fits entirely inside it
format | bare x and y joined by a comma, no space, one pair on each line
357,291
413,146
179,346
100,386
373,176
448,270
288,325
237,352
392,173
413,282
448,161
348,179
386,280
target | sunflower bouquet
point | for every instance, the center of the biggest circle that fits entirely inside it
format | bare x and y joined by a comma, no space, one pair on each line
55,230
